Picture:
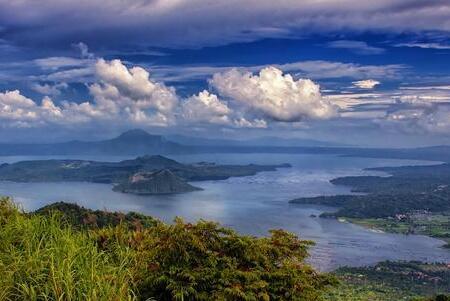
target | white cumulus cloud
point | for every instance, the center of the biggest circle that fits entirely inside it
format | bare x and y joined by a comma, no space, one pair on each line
206,107
133,86
366,84
120,96
17,110
132,93
274,95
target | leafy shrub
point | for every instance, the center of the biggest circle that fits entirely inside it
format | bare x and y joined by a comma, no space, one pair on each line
203,261
80,217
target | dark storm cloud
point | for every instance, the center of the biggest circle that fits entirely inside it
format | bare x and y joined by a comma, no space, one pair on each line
204,22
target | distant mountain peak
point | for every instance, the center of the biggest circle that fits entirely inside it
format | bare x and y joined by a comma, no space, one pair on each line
150,158
156,160
136,134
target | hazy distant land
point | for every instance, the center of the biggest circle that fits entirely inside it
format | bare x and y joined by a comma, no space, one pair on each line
138,143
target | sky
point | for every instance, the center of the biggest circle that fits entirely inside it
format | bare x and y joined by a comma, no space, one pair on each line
367,73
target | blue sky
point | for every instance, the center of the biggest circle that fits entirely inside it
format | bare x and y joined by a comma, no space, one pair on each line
365,74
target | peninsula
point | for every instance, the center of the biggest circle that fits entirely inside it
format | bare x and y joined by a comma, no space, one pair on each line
412,200
143,175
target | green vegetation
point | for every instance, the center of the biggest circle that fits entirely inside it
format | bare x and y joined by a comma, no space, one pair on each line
424,223
42,260
430,179
440,297
382,205
60,253
424,213
80,217
392,281
118,172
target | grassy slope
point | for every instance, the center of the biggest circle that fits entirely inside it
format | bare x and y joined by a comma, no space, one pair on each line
44,257
41,260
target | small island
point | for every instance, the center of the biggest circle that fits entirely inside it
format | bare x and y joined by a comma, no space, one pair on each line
143,175
159,182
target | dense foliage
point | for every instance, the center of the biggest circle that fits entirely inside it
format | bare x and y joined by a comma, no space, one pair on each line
44,257
440,297
393,281
80,217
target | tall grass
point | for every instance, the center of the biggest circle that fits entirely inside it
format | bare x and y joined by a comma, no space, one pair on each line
42,259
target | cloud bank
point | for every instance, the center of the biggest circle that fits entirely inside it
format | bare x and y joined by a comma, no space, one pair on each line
433,119
124,96
120,95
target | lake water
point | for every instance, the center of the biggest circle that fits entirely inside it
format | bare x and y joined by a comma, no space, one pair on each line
255,204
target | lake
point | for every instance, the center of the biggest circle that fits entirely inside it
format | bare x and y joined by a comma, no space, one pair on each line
255,204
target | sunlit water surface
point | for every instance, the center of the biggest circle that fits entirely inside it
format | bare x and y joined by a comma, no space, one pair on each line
255,204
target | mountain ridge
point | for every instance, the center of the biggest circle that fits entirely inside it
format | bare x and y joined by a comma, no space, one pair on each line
138,142
132,142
